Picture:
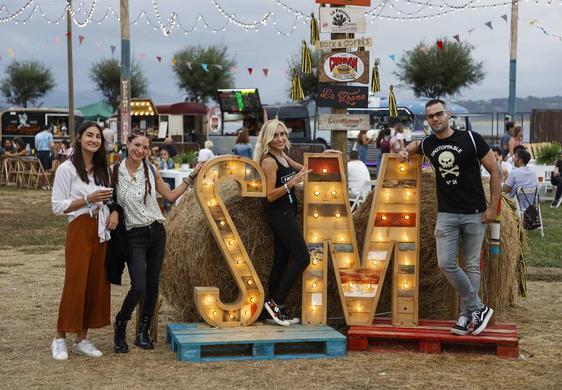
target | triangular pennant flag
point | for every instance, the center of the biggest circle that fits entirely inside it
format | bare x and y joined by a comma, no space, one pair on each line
543,30
440,44
504,17
11,52
533,21
250,70
143,56
234,69
205,67
489,24
57,40
112,49
81,39
471,30
159,58
265,71
189,65
392,57
457,38
218,66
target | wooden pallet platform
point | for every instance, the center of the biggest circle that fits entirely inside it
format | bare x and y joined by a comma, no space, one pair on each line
201,343
433,336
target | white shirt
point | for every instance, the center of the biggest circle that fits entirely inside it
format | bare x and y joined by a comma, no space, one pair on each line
521,177
205,154
505,166
130,196
68,187
357,176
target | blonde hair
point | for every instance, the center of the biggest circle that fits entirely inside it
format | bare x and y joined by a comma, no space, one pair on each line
266,135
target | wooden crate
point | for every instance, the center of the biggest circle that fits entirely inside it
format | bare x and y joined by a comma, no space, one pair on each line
201,343
433,336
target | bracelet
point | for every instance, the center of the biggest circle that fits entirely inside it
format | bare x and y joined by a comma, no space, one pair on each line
89,206
86,200
187,181
287,188
192,177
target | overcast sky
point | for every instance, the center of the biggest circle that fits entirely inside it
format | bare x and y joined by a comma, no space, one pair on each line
538,68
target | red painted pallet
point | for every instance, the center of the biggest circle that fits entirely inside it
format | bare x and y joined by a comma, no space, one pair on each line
433,336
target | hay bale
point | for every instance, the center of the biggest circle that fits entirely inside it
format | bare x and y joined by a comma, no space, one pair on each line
193,257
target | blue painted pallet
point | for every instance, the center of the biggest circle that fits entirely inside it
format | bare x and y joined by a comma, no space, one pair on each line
201,343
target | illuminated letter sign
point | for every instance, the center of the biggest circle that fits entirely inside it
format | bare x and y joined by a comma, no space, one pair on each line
251,181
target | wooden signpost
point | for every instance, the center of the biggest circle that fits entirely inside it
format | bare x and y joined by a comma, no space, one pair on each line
352,43
344,121
344,67
342,96
342,20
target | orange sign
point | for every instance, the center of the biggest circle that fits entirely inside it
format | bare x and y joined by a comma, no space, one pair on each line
346,2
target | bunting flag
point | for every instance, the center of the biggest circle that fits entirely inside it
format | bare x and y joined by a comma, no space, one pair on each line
297,94
112,49
189,65
205,67
489,24
143,56
375,80
306,59
265,71
314,32
440,44
81,39
392,110
57,40
471,30
392,57
504,17
159,59
457,38
250,70
11,52
533,21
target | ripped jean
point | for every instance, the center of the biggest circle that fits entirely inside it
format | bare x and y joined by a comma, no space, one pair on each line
449,231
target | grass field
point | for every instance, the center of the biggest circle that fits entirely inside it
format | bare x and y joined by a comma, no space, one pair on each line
31,280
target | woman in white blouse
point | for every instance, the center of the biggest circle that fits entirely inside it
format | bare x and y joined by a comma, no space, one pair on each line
137,184
80,189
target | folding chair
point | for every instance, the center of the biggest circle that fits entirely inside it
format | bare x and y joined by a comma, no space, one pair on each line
361,196
527,197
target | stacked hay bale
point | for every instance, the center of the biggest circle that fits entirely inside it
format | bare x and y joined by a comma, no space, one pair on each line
193,257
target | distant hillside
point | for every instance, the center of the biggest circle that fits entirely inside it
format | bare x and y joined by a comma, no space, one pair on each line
522,104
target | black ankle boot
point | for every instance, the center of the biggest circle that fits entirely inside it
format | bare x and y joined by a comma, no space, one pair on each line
143,338
120,336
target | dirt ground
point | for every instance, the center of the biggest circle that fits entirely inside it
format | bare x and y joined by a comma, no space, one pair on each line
30,287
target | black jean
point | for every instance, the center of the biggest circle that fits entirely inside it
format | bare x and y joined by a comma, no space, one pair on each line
288,241
557,181
146,246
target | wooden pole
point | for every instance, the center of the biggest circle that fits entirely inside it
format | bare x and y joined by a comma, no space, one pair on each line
71,124
125,88
511,109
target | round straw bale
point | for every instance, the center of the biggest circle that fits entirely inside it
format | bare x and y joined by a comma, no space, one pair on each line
193,257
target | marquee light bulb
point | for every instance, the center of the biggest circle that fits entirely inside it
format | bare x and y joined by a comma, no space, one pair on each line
384,217
209,301
315,215
316,193
368,285
314,262
246,312
338,215
231,316
350,285
230,242
248,171
334,193
402,168
253,299
250,282
315,237
314,285
214,313
405,285
222,223
324,171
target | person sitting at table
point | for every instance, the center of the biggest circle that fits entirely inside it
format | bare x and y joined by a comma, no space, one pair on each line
7,147
20,150
504,165
556,180
206,153
165,161
521,176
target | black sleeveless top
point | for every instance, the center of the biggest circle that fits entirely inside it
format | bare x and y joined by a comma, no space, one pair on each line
284,174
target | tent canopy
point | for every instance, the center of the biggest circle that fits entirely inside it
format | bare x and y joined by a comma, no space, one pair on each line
96,111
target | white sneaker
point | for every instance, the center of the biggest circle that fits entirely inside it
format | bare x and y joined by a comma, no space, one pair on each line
85,347
58,349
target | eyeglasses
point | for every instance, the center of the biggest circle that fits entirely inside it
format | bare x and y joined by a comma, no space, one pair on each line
438,114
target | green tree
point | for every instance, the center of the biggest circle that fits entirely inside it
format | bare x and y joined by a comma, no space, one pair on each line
309,82
26,82
106,75
434,72
201,84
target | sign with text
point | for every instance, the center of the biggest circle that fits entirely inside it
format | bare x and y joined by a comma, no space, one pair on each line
352,43
345,67
342,20
343,122
366,3
342,96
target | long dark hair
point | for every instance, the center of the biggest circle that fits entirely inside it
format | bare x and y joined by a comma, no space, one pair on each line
147,186
100,173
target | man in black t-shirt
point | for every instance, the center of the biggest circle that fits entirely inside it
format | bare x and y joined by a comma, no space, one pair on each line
556,180
462,212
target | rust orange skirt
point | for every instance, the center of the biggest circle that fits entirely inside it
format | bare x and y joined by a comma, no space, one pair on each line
85,301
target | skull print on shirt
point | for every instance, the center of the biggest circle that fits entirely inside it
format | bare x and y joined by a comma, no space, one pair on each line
447,164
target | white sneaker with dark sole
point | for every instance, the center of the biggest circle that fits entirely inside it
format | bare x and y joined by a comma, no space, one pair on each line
480,320
461,327
275,312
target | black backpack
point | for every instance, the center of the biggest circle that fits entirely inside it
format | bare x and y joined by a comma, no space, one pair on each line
531,217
